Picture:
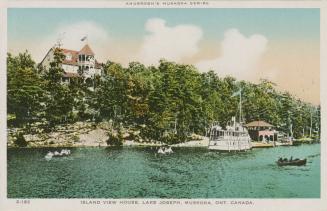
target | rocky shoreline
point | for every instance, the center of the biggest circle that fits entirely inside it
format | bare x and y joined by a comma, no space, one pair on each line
88,134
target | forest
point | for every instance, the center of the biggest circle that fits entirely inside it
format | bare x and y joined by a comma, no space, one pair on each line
168,102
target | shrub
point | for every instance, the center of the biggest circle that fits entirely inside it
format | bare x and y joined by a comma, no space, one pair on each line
115,140
20,140
76,138
173,138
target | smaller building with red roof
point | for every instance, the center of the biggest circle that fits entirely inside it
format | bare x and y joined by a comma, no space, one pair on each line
261,131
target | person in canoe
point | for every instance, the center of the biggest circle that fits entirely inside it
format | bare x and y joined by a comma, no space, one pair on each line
291,162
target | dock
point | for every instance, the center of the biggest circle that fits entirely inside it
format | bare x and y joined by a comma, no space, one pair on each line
261,145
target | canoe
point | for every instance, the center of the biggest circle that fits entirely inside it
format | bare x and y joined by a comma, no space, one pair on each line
295,162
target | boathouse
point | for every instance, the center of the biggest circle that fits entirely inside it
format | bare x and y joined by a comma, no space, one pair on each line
262,131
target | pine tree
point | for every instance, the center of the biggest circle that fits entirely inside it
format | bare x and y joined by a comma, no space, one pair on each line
60,100
25,93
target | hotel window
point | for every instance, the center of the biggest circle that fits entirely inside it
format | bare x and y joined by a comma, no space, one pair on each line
81,58
69,56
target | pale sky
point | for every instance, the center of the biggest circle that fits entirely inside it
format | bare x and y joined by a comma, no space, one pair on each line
281,45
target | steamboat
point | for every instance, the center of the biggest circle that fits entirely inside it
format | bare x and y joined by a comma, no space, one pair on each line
234,138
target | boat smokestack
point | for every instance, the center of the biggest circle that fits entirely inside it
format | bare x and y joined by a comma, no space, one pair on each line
234,122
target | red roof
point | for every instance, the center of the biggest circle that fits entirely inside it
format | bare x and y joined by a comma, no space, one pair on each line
71,75
74,57
86,50
69,51
258,124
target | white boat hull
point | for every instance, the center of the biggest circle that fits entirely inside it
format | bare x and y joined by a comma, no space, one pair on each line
234,138
230,145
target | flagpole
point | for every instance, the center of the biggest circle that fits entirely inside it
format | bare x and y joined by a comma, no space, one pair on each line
240,103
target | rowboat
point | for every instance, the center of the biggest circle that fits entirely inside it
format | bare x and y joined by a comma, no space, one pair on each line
295,162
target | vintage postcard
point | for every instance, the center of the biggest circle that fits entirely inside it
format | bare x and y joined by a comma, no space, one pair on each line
163,105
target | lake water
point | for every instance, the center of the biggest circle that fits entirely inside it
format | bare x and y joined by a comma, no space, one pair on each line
138,172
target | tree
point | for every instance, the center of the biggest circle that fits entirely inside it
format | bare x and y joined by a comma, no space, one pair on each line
112,93
60,100
166,103
25,93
